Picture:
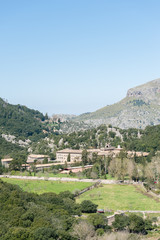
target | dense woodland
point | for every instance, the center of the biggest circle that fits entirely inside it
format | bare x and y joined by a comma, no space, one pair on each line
21,121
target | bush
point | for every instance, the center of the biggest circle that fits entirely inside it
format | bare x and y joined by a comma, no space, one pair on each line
88,207
66,194
100,231
99,221
137,224
134,223
121,222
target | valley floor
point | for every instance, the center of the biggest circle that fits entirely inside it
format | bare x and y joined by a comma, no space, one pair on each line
109,195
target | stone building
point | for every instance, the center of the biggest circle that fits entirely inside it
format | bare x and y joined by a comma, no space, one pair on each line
6,162
32,158
75,155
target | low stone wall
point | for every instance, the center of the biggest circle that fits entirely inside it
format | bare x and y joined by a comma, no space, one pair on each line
67,179
88,188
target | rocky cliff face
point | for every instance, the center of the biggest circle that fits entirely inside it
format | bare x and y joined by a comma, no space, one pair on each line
140,108
150,92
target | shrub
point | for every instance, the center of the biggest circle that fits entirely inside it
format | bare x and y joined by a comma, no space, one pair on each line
98,221
100,231
88,207
121,222
137,224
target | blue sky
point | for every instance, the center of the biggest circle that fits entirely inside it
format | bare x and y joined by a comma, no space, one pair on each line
64,56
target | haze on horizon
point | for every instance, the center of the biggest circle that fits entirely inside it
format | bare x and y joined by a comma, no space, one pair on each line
76,56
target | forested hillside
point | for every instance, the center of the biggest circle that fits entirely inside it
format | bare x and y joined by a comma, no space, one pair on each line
7,148
20,121
132,139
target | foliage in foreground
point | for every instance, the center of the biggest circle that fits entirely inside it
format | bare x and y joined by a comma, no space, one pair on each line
28,216
37,217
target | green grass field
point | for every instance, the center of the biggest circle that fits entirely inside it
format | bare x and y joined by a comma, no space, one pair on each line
40,186
113,197
120,197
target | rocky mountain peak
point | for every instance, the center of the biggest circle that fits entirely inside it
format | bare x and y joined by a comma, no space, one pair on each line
140,108
148,92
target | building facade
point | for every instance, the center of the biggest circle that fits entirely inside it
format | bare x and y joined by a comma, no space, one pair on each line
36,158
6,162
76,155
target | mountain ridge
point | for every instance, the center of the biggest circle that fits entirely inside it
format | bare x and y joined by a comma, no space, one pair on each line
140,108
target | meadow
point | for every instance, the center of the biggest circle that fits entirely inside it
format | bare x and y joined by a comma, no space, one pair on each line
108,197
120,197
42,186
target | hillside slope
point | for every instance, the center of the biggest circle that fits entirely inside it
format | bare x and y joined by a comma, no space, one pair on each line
140,108
20,121
147,140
